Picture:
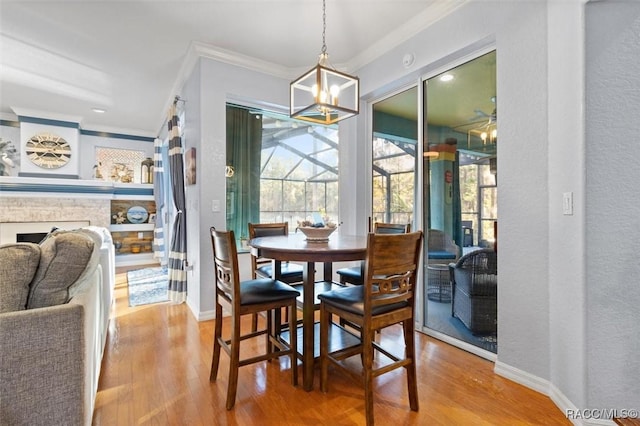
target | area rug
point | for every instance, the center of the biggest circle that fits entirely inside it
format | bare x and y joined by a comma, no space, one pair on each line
148,285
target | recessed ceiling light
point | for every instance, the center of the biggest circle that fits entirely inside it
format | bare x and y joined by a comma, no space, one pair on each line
99,110
446,77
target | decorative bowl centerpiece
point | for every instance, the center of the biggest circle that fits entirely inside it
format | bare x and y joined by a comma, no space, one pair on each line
316,233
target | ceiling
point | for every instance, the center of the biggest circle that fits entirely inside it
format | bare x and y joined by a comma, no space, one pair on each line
64,58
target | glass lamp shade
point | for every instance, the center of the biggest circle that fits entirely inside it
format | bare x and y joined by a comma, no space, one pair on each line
324,96
146,171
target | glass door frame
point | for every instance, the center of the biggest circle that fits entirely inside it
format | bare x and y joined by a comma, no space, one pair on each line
422,221
420,173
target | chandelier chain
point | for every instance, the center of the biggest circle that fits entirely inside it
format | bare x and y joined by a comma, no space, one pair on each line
324,27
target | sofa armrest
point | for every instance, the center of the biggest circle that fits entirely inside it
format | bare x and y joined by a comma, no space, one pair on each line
42,365
47,365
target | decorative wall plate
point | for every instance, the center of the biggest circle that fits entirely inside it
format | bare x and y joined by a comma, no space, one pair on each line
137,214
48,151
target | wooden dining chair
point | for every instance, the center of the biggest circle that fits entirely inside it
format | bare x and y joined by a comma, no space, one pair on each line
262,267
386,298
353,275
247,298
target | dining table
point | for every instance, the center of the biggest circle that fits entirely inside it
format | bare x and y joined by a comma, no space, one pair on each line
295,248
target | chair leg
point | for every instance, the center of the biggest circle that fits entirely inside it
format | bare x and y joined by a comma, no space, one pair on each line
412,381
270,332
234,363
293,342
367,364
217,335
325,319
254,322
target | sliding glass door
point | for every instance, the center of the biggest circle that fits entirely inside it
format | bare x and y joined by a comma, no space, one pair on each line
395,137
459,199
450,181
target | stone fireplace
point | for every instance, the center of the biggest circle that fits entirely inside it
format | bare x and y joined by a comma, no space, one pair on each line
25,215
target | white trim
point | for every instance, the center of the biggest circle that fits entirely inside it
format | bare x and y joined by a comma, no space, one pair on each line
489,356
522,377
135,259
433,13
206,315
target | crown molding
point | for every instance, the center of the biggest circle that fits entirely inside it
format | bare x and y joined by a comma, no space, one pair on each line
435,12
47,115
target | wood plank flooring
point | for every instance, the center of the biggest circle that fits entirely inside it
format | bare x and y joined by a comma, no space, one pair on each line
155,371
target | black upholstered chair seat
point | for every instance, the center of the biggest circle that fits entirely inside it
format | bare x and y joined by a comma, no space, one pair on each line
291,272
350,275
352,299
264,290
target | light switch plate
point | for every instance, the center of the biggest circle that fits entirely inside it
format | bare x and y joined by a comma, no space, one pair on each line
567,203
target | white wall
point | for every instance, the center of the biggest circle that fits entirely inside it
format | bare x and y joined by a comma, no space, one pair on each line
218,83
566,174
612,204
518,32
192,96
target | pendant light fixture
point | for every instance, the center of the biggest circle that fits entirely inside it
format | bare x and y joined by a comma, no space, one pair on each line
323,95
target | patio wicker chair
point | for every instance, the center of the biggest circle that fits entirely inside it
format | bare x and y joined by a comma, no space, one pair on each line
474,284
441,248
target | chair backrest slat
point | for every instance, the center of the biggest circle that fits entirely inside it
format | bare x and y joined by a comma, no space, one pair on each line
225,256
390,268
391,228
257,230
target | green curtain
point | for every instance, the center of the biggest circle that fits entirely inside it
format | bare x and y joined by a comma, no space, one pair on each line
244,144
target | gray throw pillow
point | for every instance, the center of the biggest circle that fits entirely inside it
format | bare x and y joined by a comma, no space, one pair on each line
64,258
18,265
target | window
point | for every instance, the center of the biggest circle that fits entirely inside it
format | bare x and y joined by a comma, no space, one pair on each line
284,170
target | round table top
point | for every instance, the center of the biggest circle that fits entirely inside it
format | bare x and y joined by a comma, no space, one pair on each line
296,247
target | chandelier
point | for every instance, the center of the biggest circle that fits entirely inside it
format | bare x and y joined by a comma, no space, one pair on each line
323,95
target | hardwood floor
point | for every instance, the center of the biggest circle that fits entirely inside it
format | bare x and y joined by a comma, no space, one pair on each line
155,371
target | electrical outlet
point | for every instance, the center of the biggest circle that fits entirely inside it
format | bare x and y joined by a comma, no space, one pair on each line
215,206
140,235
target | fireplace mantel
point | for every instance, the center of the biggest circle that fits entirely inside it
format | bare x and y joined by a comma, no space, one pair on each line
43,202
76,188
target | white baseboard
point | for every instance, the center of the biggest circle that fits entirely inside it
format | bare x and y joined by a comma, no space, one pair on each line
549,389
522,377
207,315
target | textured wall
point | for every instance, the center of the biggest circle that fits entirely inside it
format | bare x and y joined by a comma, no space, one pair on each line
612,204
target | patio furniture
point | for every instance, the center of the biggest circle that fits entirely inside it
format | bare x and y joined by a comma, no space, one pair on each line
438,283
441,248
474,285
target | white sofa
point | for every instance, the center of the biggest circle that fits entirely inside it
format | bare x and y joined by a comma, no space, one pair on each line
52,342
